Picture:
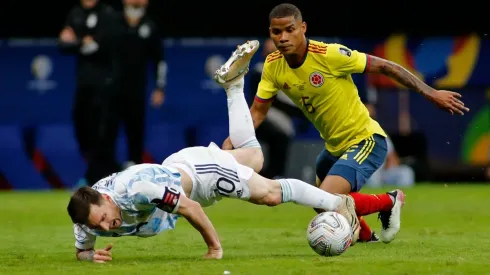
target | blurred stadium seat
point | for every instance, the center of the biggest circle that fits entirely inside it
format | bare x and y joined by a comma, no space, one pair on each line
165,139
15,165
58,145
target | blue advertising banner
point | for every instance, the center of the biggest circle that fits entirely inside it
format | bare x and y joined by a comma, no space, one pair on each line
38,82
37,85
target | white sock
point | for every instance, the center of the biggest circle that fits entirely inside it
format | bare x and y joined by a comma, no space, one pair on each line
242,131
300,192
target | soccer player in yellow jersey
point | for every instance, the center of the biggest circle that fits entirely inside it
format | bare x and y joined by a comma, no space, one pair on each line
317,77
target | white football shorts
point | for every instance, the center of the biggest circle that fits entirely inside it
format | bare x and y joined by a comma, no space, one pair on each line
215,173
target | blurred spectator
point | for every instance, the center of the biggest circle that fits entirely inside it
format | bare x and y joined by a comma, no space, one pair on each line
140,44
277,130
393,172
89,33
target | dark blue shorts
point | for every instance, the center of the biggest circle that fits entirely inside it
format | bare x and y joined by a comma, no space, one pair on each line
357,164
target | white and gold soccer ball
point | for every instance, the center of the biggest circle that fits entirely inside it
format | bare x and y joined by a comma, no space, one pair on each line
329,234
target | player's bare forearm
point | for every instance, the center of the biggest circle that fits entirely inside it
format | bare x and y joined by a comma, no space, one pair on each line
85,255
194,213
400,74
445,100
259,112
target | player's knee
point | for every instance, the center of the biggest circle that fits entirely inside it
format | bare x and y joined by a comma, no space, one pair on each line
269,199
272,199
270,193
336,184
257,159
274,194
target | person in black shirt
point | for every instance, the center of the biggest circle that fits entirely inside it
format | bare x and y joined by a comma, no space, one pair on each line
139,46
90,33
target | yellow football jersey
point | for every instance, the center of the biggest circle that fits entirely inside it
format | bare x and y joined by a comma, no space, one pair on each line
322,87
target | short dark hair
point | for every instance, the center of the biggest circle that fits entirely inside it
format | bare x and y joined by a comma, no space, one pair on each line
80,203
285,10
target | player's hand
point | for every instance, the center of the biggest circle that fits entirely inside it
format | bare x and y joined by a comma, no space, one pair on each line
68,35
157,98
214,253
448,101
103,255
88,40
227,145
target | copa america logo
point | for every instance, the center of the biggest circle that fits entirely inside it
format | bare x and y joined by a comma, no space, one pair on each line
212,64
41,69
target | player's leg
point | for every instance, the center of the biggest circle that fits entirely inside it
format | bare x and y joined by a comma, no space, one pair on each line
242,132
263,191
216,173
269,192
324,163
351,172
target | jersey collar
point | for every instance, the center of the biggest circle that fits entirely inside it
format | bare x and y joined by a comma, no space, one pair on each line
304,57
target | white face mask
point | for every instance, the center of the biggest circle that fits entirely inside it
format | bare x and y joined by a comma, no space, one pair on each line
134,12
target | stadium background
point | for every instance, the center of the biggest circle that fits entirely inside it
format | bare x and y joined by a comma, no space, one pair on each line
38,150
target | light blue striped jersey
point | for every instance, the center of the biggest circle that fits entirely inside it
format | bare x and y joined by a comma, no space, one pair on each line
136,191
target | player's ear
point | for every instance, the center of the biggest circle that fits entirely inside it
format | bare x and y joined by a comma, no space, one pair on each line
106,197
303,27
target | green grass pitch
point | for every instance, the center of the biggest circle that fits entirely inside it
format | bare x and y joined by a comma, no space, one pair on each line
445,230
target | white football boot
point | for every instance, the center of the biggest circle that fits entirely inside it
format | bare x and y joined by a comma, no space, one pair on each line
391,220
347,208
237,65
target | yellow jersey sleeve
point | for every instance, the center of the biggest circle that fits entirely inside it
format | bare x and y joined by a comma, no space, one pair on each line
267,89
343,61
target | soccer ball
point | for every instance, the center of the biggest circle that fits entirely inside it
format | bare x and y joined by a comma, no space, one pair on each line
329,234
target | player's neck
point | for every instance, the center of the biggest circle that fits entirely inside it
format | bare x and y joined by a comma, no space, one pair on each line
297,59
132,21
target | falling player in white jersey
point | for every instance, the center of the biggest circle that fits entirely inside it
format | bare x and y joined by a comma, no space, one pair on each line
147,199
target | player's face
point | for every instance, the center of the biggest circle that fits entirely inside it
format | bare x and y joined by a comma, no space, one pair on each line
105,216
288,34
88,4
136,3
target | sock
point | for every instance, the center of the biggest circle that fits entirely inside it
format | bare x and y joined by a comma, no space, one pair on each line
300,192
365,233
369,203
242,131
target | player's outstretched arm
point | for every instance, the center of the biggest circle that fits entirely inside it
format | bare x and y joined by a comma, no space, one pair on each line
446,100
96,256
194,213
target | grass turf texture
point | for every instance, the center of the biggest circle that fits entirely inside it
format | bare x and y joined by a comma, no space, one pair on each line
445,230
